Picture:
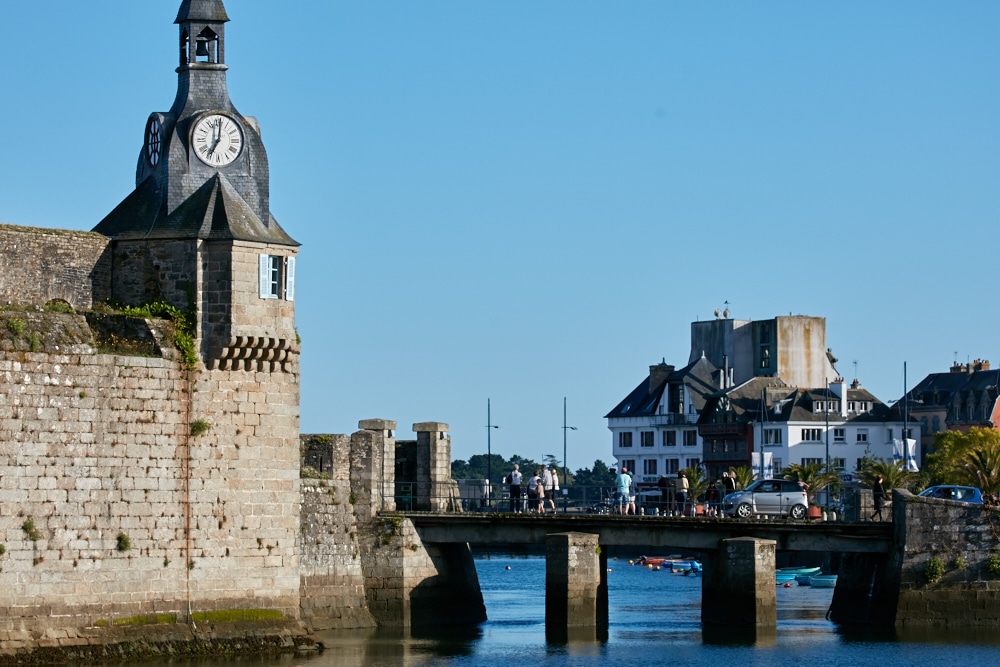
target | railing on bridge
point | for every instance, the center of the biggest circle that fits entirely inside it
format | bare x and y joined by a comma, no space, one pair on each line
850,505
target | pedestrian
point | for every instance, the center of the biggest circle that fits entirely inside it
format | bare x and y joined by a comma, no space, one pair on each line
728,483
515,489
541,486
682,489
878,497
633,493
550,490
533,483
623,482
663,484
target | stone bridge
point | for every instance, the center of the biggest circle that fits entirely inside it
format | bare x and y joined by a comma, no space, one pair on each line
886,576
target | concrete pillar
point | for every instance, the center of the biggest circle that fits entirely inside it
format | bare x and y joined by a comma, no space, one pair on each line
738,588
436,492
576,588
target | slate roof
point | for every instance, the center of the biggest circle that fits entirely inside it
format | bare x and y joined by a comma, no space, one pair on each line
945,386
214,211
698,377
771,400
201,10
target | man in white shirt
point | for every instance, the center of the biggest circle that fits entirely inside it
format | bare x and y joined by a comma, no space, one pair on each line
515,490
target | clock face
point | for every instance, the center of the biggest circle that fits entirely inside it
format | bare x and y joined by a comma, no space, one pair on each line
217,140
154,141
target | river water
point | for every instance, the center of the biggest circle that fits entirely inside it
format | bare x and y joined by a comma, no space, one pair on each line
654,620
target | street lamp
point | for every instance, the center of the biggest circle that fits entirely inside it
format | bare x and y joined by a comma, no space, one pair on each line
489,454
565,467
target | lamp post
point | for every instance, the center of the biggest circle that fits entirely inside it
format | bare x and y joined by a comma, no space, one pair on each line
565,467
489,454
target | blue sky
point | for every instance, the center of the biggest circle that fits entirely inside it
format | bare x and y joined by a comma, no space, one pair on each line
523,201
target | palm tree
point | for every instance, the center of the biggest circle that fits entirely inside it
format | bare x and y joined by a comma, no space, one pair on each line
894,474
982,468
812,475
697,483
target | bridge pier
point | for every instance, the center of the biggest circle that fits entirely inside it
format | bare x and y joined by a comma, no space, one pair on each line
576,588
738,589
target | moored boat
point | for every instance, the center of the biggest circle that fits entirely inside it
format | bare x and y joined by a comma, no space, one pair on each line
787,575
823,581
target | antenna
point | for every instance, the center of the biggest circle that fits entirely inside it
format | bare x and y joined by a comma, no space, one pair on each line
855,369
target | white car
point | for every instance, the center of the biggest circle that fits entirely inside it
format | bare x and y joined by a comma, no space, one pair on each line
771,497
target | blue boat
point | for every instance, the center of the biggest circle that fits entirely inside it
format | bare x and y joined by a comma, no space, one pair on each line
786,575
823,581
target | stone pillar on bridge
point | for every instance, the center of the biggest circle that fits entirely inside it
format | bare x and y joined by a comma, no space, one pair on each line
738,589
436,491
372,470
576,588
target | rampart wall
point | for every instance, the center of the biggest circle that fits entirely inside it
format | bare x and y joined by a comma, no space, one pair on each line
942,564
136,491
44,264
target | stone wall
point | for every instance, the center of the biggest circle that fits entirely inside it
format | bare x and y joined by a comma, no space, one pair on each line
44,264
132,487
332,584
963,538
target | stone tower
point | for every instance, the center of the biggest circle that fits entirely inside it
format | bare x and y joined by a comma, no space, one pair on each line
197,231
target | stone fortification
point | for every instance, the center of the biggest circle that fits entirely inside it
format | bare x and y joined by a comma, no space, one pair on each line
942,564
359,569
40,265
138,492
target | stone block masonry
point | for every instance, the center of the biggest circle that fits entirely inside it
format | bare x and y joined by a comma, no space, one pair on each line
114,510
40,265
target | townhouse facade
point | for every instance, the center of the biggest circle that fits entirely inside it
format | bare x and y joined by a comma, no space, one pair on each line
749,396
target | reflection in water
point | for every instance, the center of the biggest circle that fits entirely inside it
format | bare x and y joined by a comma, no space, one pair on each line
655,619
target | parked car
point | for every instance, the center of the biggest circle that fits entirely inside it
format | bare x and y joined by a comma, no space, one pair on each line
771,497
963,494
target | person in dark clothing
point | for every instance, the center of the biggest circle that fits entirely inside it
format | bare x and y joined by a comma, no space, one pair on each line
878,497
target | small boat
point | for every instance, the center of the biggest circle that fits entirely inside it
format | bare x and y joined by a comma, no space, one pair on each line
799,570
665,560
823,581
786,575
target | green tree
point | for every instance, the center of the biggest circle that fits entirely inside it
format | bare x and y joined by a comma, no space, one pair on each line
812,475
971,458
894,474
697,483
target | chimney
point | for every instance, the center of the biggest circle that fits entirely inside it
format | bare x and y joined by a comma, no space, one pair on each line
658,373
838,388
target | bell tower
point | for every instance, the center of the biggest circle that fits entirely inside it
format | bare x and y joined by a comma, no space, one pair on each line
197,231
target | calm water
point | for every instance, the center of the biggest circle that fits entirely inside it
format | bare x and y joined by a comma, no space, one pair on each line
654,620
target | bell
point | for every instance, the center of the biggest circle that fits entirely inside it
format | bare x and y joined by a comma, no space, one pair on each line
202,48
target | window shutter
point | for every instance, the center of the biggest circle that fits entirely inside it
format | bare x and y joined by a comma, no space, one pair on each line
263,278
290,279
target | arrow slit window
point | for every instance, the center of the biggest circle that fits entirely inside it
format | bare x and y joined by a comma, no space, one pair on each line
277,277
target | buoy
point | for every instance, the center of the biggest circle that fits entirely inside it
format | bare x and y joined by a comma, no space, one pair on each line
787,585
657,568
508,567
631,562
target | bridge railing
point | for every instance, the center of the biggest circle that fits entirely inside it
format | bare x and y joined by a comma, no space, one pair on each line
849,505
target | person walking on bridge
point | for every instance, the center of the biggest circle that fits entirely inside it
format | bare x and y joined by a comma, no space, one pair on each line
551,488
624,484
878,497
515,490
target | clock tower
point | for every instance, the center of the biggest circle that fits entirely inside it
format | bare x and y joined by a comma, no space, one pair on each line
197,231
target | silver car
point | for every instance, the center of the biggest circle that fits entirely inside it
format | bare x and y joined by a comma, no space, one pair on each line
771,497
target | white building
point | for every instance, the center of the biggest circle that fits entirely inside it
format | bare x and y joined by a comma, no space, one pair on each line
757,392
655,428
